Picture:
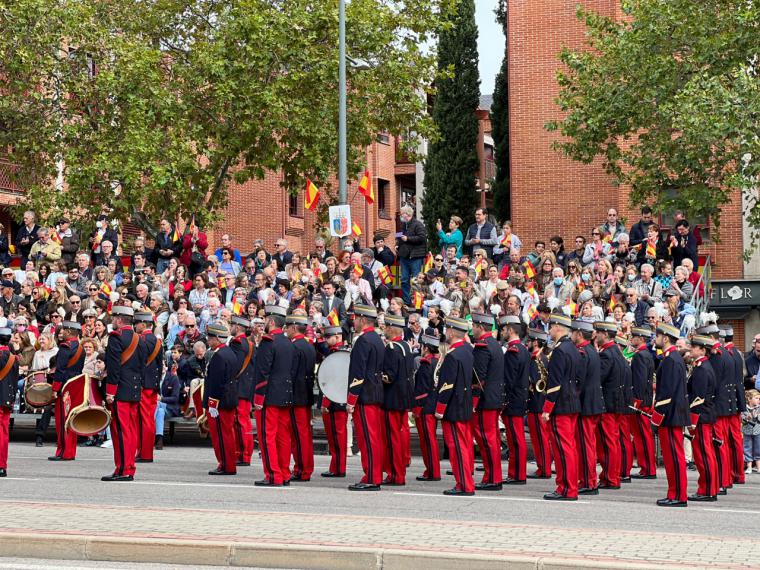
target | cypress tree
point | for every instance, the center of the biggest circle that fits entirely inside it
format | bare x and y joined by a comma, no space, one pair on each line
452,163
500,133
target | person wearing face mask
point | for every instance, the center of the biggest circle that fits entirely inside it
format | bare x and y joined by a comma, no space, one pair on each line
560,288
103,232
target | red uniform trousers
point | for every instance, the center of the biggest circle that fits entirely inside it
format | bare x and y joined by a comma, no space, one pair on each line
222,432
426,428
337,439
736,448
562,430
704,456
368,426
243,431
626,445
518,452
671,442
406,440
643,443
5,420
720,429
485,428
273,427
586,441
394,459
66,440
124,436
539,440
458,438
301,442
146,422
608,449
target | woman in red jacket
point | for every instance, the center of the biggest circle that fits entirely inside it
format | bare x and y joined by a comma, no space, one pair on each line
194,241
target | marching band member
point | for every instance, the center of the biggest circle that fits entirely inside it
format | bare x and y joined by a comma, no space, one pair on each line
561,408
642,379
302,375
365,395
220,399
538,429
8,384
124,366
701,390
592,406
273,396
454,405
734,423
398,363
244,350
69,362
516,381
624,427
488,399
152,349
334,415
424,408
671,414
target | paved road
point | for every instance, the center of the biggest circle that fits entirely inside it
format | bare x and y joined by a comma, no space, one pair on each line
174,496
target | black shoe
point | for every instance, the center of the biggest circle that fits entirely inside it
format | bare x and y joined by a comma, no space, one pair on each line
3,473
608,486
141,460
267,483
59,458
458,493
509,481
115,477
488,486
38,441
691,466
423,478
723,491
536,476
558,497
388,483
671,503
363,487
703,498
480,468
331,474
220,472
637,476
738,482
243,463
588,491
625,479
299,480
449,472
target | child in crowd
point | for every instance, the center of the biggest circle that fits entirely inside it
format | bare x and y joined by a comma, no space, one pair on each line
751,431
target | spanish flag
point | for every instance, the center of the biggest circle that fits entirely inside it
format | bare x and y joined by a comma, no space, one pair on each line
55,237
358,270
532,312
237,308
106,288
531,288
175,234
385,275
613,303
530,271
418,299
506,241
365,188
220,282
356,231
428,264
573,307
607,237
651,250
480,266
311,196
333,318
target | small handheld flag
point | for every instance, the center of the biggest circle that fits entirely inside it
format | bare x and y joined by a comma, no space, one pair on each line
333,318
356,231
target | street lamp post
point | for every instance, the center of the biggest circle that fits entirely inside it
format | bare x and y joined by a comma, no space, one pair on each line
342,193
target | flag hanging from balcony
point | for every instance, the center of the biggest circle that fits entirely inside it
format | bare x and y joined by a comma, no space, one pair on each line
356,231
311,197
365,188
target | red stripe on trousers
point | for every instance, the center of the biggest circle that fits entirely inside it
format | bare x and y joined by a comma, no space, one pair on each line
337,439
671,442
301,442
147,423
643,443
222,432
243,431
485,427
124,436
704,457
586,444
273,427
539,440
518,460
626,445
5,420
66,440
368,426
458,438
394,458
562,435
426,428
608,449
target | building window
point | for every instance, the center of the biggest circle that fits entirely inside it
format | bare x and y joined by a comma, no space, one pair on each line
384,137
701,223
383,188
294,205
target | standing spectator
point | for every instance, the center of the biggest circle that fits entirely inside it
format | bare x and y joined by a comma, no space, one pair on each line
227,242
103,232
557,247
194,244
382,252
69,240
597,249
683,245
481,234
693,276
751,431
138,249
320,250
227,265
411,247
26,236
506,241
578,251
638,233
678,215
752,363
282,256
44,250
612,227
106,255
5,255
166,246
453,236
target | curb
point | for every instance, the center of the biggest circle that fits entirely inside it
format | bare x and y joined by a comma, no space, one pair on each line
236,554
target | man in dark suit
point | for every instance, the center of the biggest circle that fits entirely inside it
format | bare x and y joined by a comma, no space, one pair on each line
683,244
26,236
282,255
331,301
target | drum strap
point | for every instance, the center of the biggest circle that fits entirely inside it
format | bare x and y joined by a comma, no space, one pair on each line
247,359
8,365
75,358
127,354
153,354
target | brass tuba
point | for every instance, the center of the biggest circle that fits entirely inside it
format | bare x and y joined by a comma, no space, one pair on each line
543,374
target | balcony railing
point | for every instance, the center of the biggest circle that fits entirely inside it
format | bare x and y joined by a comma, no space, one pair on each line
8,181
489,170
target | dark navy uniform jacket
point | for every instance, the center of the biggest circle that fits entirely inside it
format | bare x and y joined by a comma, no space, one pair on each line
562,388
642,377
365,371
272,371
67,350
9,384
488,378
725,389
592,399
424,389
613,378
303,371
397,376
701,384
454,392
152,371
220,387
671,400
241,346
124,381
516,378
741,401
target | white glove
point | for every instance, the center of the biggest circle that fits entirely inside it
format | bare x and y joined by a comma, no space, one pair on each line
384,303
495,310
213,412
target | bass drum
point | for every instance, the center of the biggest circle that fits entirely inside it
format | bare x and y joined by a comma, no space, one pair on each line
37,392
83,406
332,376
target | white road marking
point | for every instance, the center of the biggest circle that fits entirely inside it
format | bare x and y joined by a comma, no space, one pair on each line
482,498
180,484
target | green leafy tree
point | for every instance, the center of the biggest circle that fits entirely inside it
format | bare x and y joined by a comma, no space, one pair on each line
150,109
500,133
452,162
669,99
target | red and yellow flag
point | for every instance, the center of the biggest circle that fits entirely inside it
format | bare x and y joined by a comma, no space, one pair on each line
573,307
532,312
221,282
530,270
418,299
613,303
317,272
356,231
480,266
607,237
531,288
55,237
175,234
358,270
311,196
333,318
428,264
385,275
651,250
365,188
237,308
106,288
506,241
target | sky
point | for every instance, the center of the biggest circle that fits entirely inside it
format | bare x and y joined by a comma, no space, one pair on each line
490,44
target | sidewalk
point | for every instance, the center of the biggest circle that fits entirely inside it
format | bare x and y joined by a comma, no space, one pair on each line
294,540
